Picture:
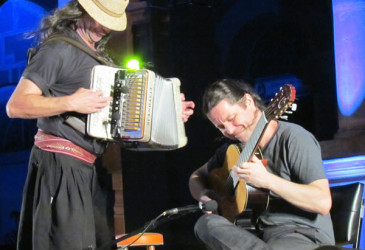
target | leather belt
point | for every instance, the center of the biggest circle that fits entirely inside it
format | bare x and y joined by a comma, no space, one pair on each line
60,145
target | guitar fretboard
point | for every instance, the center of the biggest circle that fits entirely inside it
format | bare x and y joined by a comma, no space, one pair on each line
249,149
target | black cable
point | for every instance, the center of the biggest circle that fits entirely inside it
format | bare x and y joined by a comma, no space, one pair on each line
159,220
150,225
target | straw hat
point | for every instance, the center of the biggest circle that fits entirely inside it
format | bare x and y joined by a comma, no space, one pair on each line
109,13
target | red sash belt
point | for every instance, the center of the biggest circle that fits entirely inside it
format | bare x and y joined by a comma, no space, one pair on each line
56,144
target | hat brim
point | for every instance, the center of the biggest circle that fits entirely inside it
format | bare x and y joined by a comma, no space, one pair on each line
117,22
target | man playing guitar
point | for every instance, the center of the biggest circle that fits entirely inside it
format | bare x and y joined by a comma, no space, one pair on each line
293,175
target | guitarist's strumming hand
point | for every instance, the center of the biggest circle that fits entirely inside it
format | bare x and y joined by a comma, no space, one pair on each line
253,173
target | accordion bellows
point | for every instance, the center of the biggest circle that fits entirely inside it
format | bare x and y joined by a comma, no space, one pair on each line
145,113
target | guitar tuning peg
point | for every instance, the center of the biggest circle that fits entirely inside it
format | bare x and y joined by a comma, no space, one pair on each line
288,112
294,106
284,117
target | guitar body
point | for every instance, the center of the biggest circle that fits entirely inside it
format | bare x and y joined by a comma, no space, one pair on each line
236,200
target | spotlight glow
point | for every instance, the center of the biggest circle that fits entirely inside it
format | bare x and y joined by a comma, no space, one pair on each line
133,64
349,41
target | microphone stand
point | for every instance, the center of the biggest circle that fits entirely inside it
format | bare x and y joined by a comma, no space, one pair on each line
150,225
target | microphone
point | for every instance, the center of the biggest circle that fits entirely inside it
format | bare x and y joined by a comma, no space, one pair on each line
209,206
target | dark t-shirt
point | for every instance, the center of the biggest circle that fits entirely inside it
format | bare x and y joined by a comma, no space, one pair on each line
293,154
62,69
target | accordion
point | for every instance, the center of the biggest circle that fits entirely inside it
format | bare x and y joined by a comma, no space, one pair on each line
145,113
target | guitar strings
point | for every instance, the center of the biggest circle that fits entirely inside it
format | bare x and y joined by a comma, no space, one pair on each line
229,186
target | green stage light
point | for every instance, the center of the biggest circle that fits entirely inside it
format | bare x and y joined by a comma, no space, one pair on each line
133,64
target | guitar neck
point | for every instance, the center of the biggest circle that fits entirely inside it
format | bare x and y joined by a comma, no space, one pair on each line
251,145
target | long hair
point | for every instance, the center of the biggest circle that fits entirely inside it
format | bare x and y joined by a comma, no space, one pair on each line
231,90
61,19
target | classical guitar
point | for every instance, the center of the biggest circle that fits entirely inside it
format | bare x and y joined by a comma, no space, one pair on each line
237,196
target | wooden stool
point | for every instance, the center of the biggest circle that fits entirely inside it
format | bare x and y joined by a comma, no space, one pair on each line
149,240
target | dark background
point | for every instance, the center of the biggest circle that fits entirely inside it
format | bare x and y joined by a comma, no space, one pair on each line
201,41
268,43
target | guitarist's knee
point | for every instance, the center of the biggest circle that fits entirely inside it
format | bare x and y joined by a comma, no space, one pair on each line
213,230
210,222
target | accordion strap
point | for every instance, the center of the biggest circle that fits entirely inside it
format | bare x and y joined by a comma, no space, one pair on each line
73,42
81,46
72,121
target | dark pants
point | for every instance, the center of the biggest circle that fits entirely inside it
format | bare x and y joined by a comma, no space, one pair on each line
64,206
218,233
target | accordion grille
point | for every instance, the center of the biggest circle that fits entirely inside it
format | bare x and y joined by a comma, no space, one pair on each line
133,110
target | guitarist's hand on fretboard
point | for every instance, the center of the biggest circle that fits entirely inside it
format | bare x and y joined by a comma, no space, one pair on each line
253,173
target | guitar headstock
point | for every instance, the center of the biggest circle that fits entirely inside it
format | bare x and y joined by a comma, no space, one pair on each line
282,101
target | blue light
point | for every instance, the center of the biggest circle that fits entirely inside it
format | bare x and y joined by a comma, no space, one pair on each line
62,3
346,168
349,40
17,17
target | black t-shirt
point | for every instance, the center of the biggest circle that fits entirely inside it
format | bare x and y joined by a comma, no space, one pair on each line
61,68
293,154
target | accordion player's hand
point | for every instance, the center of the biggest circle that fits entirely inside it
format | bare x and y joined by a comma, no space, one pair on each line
187,108
88,101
